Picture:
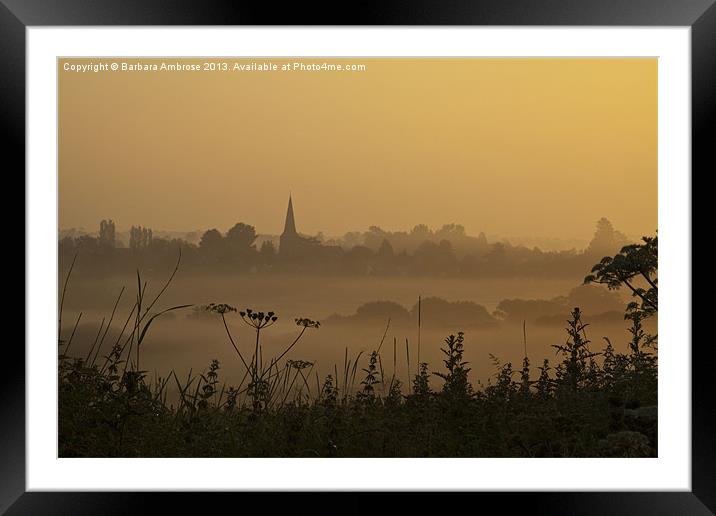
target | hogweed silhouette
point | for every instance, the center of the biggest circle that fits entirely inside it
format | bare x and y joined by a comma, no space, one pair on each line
264,380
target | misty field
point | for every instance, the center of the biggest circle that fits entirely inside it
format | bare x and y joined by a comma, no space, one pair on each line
360,378
182,341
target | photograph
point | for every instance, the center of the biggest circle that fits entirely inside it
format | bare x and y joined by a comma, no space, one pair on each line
357,257
407,249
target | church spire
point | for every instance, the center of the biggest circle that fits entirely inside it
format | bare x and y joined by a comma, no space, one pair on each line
289,227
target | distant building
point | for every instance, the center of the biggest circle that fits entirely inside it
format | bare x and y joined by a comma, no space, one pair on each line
294,248
290,241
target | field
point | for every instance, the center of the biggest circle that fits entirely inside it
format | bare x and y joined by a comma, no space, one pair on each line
348,386
181,341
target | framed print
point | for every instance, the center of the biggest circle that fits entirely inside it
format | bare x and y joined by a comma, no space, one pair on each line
411,254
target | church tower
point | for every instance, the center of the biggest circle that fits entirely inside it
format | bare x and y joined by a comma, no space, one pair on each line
297,249
290,239
289,227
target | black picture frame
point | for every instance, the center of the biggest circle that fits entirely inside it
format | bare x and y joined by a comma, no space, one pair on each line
17,15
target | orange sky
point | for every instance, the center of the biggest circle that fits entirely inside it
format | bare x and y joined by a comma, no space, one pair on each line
530,147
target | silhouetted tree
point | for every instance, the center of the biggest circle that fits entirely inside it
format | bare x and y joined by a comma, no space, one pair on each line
385,252
211,244
451,232
382,311
385,257
497,260
593,299
239,241
635,267
352,239
87,244
434,258
107,233
374,237
519,310
241,237
440,313
267,252
606,239
482,239
139,238
358,260
421,231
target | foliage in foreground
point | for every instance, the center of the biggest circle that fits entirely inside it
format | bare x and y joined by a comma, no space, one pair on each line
584,409
591,404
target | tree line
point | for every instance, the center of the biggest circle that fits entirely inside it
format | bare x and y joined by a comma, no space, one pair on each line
447,251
